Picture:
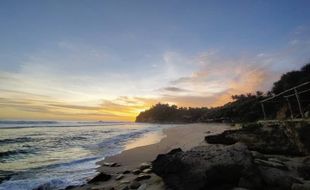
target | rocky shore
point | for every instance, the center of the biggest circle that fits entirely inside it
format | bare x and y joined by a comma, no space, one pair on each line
253,157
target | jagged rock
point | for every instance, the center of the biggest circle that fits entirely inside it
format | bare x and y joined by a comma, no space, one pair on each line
297,186
272,164
145,166
70,187
256,154
136,171
142,177
143,187
275,177
45,186
206,166
119,177
134,185
126,172
125,188
285,138
111,164
304,171
124,182
95,188
147,171
100,177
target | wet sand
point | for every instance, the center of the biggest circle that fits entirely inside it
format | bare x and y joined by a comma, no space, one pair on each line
183,136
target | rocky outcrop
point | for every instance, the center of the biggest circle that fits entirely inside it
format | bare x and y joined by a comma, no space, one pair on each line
207,167
255,157
100,177
285,138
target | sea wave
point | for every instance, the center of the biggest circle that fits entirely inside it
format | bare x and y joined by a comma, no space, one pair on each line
58,174
15,140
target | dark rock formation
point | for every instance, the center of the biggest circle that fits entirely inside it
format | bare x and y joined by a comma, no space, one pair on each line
254,157
286,138
142,177
207,167
100,177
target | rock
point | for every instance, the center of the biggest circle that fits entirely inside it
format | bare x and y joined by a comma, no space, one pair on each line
304,171
297,186
143,187
100,177
134,185
126,172
256,154
274,177
285,138
45,186
142,177
204,167
49,185
111,164
272,164
119,177
147,171
145,166
70,187
124,182
136,171
96,188
125,188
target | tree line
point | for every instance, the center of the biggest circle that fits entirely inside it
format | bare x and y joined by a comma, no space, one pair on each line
242,108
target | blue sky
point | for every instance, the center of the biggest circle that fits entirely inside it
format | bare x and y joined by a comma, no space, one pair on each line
112,59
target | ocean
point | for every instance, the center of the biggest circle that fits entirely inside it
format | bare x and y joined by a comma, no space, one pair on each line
58,154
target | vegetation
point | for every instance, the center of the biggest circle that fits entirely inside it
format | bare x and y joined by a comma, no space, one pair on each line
242,108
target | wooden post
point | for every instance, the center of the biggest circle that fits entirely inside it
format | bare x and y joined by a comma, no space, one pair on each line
299,105
290,108
263,109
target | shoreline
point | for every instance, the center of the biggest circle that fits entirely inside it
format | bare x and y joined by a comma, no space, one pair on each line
184,136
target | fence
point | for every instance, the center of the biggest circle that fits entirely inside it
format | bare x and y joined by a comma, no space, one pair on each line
296,98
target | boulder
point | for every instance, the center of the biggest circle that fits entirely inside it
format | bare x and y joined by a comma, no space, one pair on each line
145,166
100,177
136,171
143,187
134,185
142,177
126,172
124,182
204,167
111,164
119,177
147,171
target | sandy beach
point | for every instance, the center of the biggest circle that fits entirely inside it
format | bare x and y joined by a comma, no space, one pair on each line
183,136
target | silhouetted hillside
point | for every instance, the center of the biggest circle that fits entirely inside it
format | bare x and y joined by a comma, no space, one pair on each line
242,108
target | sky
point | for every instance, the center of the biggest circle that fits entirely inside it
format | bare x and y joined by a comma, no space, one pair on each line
111,59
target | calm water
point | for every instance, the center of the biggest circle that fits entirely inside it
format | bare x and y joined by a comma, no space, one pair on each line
62,153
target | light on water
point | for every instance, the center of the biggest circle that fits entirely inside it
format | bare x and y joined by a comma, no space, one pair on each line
63,154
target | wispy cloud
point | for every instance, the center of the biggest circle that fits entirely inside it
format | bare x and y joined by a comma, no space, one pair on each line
76,81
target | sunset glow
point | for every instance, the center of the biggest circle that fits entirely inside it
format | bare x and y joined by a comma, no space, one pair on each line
86,62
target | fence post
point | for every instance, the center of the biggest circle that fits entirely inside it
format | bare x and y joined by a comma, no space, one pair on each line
263,109
290,108
299,105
